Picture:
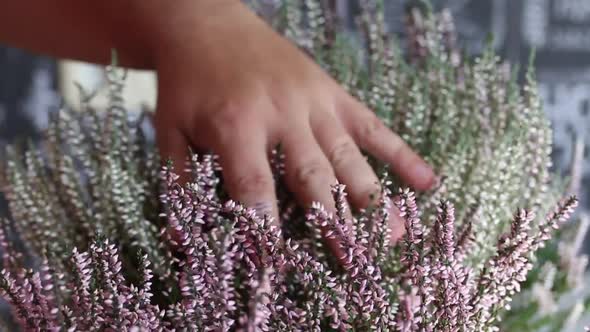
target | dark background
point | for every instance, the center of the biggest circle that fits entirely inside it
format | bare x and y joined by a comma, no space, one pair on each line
559,30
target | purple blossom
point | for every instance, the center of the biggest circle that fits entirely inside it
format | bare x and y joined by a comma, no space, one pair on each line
239,272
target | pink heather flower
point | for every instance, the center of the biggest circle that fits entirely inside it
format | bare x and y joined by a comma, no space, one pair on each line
414,244
257,316
81,297
338,234
143,315
364,289
202,170
112,289
260,237
341,207
317,280
502,276
452,309
436,292
223,292
379,236
464,241
405,319
444,231
418,267
41,307
553,220
18,295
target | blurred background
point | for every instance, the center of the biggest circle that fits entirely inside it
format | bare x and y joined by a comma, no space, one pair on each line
31,86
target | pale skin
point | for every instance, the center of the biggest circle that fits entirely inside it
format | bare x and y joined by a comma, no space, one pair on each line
227,83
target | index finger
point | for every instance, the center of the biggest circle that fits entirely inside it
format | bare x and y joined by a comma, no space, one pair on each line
372,135
247,172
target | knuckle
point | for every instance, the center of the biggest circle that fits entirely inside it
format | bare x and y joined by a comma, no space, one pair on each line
229,116
371,128
308,172
254,183
342,152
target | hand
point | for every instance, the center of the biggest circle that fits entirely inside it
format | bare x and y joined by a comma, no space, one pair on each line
228,83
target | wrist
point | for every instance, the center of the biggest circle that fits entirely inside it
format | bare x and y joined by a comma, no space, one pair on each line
143,31
188,25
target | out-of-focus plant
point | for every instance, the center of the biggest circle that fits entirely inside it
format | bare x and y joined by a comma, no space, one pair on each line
86,205
555,294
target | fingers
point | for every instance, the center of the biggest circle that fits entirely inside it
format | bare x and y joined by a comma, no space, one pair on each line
308,173
373,136
247,173
307,170
347,161
396,225
172,141
173,146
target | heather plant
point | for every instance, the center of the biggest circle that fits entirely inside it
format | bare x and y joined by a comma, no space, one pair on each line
118,244
555,294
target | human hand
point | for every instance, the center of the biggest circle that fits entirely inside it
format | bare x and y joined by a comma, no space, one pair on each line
228,83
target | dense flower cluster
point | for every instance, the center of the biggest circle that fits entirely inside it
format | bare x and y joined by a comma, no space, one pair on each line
233,270
108,253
